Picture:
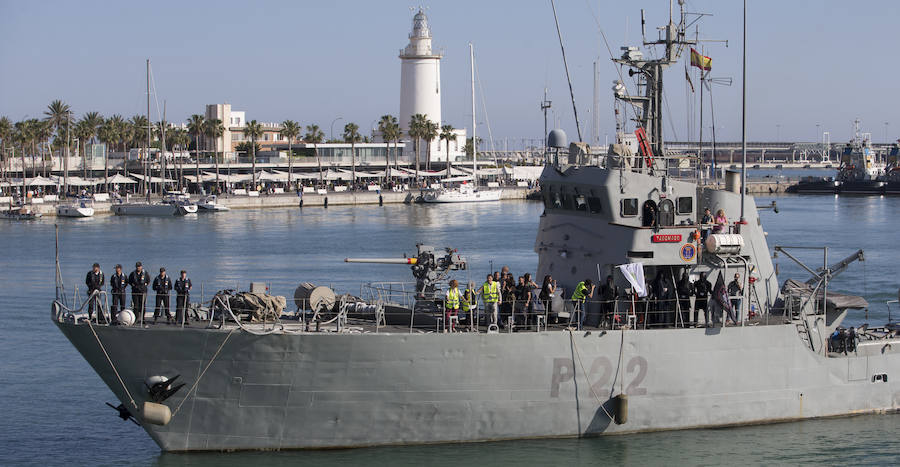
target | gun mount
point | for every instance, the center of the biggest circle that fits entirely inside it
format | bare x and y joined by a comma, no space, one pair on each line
429,266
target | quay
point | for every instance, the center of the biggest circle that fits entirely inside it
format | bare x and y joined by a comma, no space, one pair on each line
285,200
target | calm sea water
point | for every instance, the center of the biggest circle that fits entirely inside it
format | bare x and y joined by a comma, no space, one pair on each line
52,403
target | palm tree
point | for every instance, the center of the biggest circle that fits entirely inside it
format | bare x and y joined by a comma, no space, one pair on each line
352,136
215,130
415,132
182,140
254,131
107,134
290,130
390,132
314,135
195,128
20,139
429,133
43,133
447,134
84,130
6,130
57,114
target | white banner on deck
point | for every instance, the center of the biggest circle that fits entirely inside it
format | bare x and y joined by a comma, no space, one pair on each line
634,272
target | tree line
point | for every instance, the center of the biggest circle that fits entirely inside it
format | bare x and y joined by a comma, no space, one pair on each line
39,138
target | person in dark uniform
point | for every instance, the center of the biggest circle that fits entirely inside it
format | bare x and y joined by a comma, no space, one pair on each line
609,292
183,290
685,289
118,282
702,290
138,280
94,282
162,285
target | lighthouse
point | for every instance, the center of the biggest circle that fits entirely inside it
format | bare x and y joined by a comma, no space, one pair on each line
420,75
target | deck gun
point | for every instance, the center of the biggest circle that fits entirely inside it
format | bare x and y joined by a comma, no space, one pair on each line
429,266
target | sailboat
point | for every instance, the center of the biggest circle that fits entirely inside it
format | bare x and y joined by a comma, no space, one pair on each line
149,208
465,193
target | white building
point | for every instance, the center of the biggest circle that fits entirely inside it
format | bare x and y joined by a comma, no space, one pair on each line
420,89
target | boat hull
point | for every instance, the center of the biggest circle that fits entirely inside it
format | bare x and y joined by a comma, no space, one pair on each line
462,197
74,211
138,209
326,390
863,187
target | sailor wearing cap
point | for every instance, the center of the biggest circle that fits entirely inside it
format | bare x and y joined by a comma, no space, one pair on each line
118,282
183,289
138,280
162,285
94,282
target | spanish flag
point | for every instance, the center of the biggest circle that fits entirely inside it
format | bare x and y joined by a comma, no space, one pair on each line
700,61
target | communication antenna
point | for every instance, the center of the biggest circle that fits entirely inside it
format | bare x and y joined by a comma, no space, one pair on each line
566,65
643,26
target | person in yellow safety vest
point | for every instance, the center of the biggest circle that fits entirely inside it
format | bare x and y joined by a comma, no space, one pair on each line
490,295
451,305
469,303
583,291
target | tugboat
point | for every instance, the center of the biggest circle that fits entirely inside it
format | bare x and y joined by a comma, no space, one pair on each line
860,171
248,378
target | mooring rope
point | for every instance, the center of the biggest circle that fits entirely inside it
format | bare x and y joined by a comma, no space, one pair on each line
111,364
586,376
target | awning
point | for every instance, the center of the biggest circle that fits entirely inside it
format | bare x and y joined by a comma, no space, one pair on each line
122,180
152,178
40,181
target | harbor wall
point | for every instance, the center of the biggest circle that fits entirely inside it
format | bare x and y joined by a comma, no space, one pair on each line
308,200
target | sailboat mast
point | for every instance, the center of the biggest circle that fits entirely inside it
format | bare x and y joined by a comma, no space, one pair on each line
162,146
744,120
147,154
474,139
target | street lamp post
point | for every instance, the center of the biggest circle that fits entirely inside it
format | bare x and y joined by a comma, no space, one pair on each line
332,127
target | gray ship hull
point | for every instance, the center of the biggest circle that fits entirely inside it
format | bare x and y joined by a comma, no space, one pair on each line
327,390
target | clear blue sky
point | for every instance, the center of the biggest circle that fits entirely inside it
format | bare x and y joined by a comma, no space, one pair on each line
810,62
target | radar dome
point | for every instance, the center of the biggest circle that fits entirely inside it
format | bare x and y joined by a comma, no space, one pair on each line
557,139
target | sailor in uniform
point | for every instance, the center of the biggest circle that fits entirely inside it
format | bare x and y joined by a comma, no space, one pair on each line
162,284
183,290
138,280
94,282
118,282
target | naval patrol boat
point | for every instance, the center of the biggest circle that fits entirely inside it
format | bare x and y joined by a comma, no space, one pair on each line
341,374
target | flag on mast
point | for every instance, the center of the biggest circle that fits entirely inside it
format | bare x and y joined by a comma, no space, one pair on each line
700,61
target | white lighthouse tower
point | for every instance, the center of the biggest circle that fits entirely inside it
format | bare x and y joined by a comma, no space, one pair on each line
420,75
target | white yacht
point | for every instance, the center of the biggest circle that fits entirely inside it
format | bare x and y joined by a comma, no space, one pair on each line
82,207
211,203
464,193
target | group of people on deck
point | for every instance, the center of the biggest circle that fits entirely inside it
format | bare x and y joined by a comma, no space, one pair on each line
138,280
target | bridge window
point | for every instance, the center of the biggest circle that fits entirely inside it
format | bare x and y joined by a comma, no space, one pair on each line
649,212
685,205
595,205
666,213
629,207
580,203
